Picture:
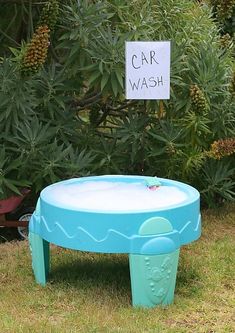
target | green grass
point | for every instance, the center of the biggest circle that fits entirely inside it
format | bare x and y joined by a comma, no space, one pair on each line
90,293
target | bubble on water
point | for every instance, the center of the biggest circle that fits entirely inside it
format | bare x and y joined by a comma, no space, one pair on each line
114,196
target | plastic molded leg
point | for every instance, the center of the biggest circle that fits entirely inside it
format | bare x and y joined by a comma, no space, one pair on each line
40,257
153,278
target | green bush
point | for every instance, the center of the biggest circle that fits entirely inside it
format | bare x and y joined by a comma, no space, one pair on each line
75,101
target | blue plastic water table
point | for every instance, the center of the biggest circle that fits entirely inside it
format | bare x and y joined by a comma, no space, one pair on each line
151,237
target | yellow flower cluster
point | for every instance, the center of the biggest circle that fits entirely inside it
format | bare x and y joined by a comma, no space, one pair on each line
221,148
36,51
226,40
49,14
198,99
224,8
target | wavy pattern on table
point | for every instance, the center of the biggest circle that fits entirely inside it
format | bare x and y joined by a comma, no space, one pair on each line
189,225
84,232
114,241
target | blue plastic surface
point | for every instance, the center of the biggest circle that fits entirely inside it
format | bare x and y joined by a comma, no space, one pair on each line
116,232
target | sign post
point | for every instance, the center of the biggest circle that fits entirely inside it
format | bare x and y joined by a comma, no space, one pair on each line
148,70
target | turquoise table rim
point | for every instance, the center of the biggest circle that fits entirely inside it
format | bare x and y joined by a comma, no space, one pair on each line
117,231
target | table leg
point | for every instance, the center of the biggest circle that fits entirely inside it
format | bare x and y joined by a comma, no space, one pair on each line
40,252
153,278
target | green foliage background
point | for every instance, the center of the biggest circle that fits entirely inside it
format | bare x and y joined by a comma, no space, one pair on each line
71,117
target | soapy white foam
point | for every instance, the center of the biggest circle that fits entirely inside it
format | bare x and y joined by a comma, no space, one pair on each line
114,196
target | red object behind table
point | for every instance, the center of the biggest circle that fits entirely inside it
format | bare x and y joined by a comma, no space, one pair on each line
11,203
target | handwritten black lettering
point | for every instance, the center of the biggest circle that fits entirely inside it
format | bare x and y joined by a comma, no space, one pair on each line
144,83
134,85
132,59
159,80
143,58
152,54
153,82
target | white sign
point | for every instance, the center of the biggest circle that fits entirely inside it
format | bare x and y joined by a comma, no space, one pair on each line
148,70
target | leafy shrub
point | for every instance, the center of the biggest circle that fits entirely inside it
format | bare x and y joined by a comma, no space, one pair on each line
75,102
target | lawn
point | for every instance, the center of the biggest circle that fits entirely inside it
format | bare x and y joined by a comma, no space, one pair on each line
90,292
